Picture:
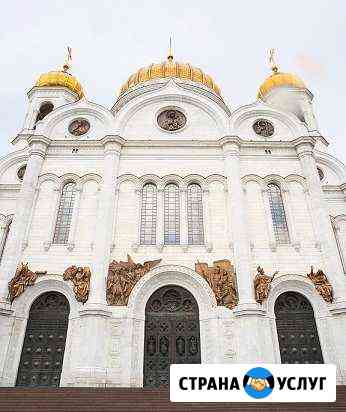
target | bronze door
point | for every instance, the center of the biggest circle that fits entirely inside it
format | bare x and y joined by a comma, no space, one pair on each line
171,333
44,343
297,330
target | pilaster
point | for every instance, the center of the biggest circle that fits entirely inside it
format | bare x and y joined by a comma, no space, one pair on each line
236,203
319,210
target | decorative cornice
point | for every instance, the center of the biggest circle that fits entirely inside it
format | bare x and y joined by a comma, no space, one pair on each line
34,138
304,140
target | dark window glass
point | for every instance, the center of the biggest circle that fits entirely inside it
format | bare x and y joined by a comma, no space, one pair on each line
45,109
278,214
148,215
172,214
195,215
63,222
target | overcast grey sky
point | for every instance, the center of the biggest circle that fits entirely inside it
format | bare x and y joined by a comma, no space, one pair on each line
228,39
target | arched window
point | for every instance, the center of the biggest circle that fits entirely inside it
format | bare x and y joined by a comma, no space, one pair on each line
338,243
172,214
63,221
278,213
45,109
4,238
195,215
148,215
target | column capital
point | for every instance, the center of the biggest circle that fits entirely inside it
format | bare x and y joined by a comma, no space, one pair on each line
112,143
231,143
304,145
38,144
37,138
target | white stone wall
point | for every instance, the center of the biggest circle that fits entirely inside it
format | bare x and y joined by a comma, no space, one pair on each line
105,344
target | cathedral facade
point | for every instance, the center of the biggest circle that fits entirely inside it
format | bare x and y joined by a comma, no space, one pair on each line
170,228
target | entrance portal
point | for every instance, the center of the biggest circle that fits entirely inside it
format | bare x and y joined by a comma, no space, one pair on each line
44,343
296,328
171,333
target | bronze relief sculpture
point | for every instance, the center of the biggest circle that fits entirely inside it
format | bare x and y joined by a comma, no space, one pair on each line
322,285
80,277
24,277
122,277
221,278
262,283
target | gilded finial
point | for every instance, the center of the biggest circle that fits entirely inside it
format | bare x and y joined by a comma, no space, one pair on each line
170,53
68,60
272,62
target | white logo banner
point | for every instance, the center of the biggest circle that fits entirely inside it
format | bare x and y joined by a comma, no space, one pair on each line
253,383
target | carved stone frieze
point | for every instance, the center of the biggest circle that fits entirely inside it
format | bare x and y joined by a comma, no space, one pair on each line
222,280
123,276
24,277
262,283
322,285
80,277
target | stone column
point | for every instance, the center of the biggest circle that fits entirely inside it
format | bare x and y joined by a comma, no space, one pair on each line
319,210
38,148
207,220
236,203
94,316
17,236
105,216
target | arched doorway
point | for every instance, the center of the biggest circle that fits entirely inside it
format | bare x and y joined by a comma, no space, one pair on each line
44,343
297,330
171,333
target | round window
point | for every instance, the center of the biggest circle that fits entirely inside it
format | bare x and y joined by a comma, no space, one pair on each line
79,127
171,120
263,127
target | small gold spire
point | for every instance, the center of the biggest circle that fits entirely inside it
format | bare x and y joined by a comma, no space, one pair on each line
68,60
272,63
170,53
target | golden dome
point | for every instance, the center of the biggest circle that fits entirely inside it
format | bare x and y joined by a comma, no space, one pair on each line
170,68
278,79
60,79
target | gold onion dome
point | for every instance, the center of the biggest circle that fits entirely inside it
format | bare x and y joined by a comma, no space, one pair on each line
170,68
61,78
278,79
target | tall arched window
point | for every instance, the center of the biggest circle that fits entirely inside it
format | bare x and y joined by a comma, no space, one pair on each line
172,214
148,215
195,215
45,109
5,237
338,243
63,221
278,213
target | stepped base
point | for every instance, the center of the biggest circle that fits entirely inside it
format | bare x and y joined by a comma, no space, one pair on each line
136,400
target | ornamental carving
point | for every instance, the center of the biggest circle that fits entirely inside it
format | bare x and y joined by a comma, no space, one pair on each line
263,127
80,277
123,276
262,283
24,277
322,285
171,120
222,280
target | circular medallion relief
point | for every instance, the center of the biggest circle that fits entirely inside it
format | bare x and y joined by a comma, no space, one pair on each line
21,172
79,127
263,127
171,120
